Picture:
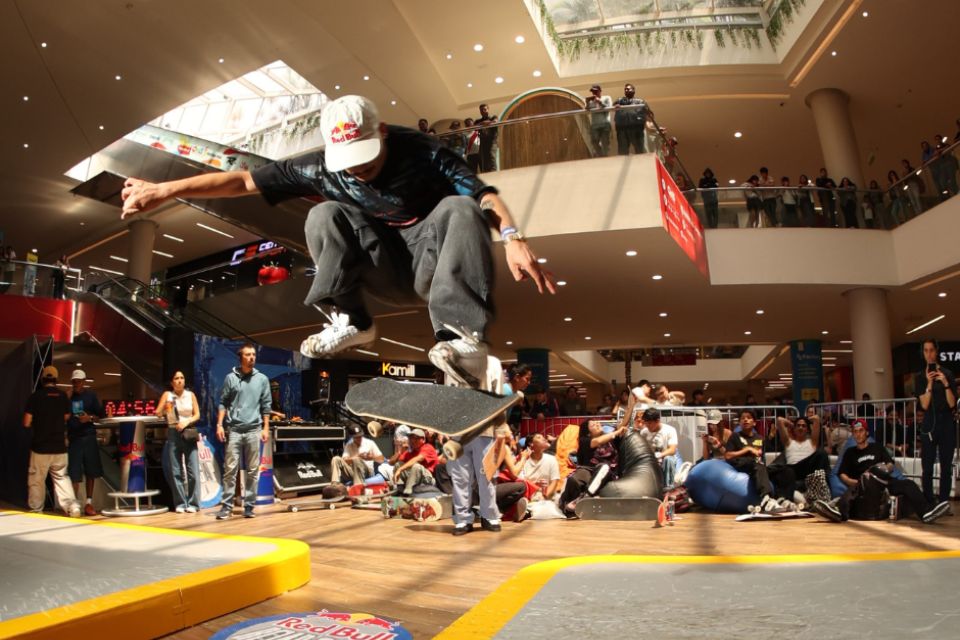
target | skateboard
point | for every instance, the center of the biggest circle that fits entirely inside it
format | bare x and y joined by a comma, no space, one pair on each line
322,503
766,515
421,509
619,509
452,411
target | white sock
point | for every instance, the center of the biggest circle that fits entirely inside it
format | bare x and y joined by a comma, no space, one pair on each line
89,500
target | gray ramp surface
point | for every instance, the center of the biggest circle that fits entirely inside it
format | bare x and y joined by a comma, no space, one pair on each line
882,599
47,563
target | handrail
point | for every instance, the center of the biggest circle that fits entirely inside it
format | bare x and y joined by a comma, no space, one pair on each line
916,172
26,263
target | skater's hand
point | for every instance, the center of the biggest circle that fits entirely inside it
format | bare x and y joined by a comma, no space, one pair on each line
221,435
140,195
523,264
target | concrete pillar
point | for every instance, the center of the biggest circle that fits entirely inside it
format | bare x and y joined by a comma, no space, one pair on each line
142,234
838,142
870,332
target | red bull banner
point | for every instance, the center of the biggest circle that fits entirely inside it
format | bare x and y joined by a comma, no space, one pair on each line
265,480
681,221
133,471
317,624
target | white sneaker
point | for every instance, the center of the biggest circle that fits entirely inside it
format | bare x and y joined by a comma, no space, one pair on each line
74,511
192,509
337,335
681,475
464,359
769,503
598,479
180,509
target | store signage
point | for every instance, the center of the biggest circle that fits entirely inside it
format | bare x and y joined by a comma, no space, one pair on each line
319,624
949,356
398,370
255,250
681,221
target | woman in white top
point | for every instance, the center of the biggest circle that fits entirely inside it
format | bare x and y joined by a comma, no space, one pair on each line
181,409
801,438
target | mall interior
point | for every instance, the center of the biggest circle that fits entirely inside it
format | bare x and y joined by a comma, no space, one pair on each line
765,225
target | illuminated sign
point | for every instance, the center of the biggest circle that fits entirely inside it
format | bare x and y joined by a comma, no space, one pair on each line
120,408
398,370
255,250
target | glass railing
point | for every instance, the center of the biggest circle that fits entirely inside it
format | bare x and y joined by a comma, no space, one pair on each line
569,135
932,182
38,279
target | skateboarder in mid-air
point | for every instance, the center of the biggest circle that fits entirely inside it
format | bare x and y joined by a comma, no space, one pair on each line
405,220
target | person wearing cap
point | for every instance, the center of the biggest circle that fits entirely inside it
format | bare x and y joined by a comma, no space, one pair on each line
83,452
360,454
715,439
416,464
404,220
46,415
663,440
599,121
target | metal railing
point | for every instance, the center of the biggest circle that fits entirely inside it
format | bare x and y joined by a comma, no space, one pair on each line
39,279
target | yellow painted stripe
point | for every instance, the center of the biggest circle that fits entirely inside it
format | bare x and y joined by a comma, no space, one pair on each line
496,610
165,606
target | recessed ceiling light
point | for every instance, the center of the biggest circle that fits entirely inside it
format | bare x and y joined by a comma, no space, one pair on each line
542,260
163,254
366,77
833,53
469,85
631,253
119,259
26,145
478,47
100,126
221,60
657,276
223,233
759,312
118,77
26,98
942,294
587,338
866,14
449,56
747,333
846,342
731,181
82,224
498,80
111,271
43,44
519,39
561,283
393,103
666,335
663,314
568,319
336,87
825,332
737,134
174,238
536,73
509,342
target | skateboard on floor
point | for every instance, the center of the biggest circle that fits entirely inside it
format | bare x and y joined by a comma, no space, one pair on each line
452,411
321,503
419,508
620,509
773,515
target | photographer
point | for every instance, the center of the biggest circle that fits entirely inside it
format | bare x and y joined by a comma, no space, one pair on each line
937,393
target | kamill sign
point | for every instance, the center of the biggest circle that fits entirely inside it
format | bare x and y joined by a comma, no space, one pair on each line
318,624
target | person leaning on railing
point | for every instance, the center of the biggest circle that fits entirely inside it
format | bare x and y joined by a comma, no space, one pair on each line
847,194
805,201
708,193
9,267
788,196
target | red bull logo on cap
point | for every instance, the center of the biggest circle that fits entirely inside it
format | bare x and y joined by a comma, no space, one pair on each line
319,624
344,132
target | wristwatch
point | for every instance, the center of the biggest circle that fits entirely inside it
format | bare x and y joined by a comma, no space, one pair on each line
513,236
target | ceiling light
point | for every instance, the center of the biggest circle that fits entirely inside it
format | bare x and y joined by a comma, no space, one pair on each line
568,319
100,126
163,254
469,85
759,312
478,47
829,364
737,134
498,80
561,283
536,73
393,103
587,338
101,269
509,342
828,357
336,87
825,332
657,276
847,342
866,14
174,238
666,335
837,351
26,145
542,260
747,333
731,181
366,77
118,77
833,53
26,98
220,60
927,324
119,259
203,226
113,375
519,39
663,314
43,44
631,253
942,294
449,56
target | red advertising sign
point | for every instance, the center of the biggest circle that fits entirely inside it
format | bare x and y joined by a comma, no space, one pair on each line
22,317
681,221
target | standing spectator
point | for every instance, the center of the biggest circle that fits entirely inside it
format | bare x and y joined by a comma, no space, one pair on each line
30,273
848,202
9,268
456,141
83,452
423,125
181,409
518,379
947,166
599,121
708,193
752,197
875,194
472,148
542,404
768,197
828,205
937,392
59,276
573,404
631,123
897,199
488,139
956,137
47,412
926,151
788,196
915,187
244,407
698,398
805,201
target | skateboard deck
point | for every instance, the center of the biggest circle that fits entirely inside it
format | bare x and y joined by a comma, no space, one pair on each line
419,508
618,508
789,515
321,503
452,411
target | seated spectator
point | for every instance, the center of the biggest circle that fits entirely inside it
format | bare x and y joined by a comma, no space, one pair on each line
715,439
596,463
540,468
865,469
401,442
416,464
360,455
541,404
745,454
573,404
801,449
663,440
513,492
752,196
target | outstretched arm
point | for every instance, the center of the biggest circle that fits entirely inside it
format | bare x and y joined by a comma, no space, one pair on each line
520,258
140,195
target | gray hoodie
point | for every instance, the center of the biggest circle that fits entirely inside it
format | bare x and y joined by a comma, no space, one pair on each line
246,399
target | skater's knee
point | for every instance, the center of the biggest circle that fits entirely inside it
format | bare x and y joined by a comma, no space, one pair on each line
324,218
458,209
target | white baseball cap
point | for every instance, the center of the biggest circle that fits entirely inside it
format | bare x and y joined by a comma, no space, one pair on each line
78,374
351,131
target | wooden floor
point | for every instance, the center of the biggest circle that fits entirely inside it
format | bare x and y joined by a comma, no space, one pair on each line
423,576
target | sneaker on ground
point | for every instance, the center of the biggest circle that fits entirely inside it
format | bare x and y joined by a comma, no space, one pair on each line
74,511
769,503
939,510
192,509
337,335
180,509
88,510
521,508
464,359
828,510
248,512
462,529
490,525
681,475
598,479
224,513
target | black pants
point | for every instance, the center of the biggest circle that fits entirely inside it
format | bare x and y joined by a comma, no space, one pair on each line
790,215
829,206
938,446
630,136
782,477
850,214
913,500
807,212
712,209
576,485
508,493
488,159
770,206
445,260
816,460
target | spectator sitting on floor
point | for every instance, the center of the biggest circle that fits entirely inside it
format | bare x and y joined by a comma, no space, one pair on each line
802,452
865,469
416,464
360,455
401,443
513,492
715,439
745,452
572,404
663,440
540,467
596,462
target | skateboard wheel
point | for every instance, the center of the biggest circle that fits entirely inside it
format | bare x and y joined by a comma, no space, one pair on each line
293,509
332,507
452,450
375,429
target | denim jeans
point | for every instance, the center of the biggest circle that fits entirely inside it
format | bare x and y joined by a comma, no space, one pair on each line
246,444
185,490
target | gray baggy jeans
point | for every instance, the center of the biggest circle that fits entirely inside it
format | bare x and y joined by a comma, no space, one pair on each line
445,260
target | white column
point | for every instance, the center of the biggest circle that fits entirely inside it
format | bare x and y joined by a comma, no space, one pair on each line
838,142
870,332
140,254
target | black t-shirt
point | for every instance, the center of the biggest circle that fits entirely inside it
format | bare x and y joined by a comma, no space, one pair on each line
589,457
48,406
738,441
87,402
940,412
418,173
856,461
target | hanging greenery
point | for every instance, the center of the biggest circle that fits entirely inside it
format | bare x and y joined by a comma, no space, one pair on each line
780,17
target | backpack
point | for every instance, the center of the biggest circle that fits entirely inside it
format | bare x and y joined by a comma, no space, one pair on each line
872,501
680,497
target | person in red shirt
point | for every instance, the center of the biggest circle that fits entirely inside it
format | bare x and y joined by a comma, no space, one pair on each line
416,464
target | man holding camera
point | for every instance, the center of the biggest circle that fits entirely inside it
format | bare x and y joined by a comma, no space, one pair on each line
937,392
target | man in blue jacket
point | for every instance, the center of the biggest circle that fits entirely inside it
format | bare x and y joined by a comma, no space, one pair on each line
244,414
